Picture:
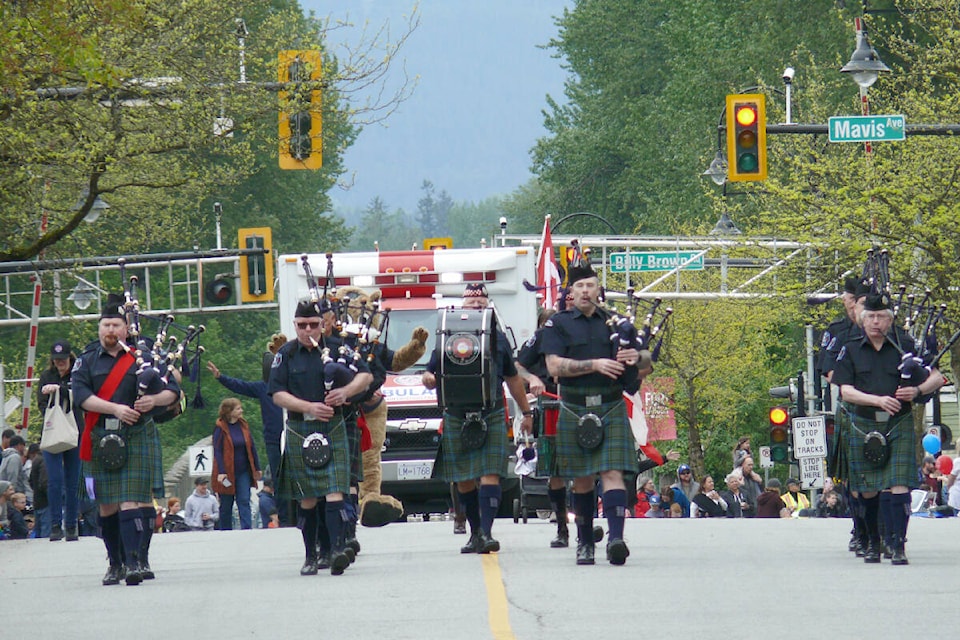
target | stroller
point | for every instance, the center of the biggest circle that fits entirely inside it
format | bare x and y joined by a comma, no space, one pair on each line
533,484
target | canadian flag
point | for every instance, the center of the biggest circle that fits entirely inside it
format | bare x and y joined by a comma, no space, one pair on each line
548,276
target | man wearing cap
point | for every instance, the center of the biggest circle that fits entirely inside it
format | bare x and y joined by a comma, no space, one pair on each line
593,432
63,469
877,423
488,462
316,461
117,444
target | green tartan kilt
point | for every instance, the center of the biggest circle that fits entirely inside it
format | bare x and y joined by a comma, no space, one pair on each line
136,480
900,469
156,454
356,456
547,456
454,464
296,479
617,452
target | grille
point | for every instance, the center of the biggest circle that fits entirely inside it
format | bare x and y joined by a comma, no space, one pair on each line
411,440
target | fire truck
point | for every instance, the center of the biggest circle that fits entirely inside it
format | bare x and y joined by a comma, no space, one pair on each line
414,285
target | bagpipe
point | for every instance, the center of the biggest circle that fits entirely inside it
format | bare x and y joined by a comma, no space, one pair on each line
159,358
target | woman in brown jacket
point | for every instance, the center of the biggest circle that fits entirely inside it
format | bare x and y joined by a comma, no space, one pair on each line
236,467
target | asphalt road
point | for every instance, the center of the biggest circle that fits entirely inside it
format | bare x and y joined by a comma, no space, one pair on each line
685,578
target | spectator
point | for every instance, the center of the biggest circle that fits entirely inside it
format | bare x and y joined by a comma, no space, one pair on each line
830,506
685,488
28,466
202,510
737,504
5,438
11,466
6,492
18,524
274,520
930,479
63,469
708,503
741,451
38,480
236,467
268,503
750,485
173,522
795,499
647,492
770,504
953,487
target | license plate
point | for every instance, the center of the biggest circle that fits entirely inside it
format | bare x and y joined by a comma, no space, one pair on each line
415,470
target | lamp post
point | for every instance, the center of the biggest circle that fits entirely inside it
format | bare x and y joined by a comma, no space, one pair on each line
864,67
99,206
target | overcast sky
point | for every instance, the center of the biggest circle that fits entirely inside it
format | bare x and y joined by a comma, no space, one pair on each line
476,111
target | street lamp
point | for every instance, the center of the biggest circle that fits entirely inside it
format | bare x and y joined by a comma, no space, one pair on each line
865,65
725,227
99,205
717,171
82,296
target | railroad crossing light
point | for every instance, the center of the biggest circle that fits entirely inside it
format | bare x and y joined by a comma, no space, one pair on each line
300,126
746,137
218,291
256,272
780,434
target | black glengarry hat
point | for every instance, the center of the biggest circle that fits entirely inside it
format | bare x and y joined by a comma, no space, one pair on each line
475,290
877,302
113,307
311,308
580,272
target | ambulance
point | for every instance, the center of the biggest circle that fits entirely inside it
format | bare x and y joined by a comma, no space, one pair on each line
414,286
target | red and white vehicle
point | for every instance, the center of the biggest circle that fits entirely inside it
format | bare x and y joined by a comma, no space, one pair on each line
414,285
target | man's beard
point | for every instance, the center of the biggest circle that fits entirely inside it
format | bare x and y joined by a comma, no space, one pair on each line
110,341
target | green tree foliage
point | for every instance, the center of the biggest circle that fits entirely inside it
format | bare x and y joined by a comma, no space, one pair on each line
433,210
379,228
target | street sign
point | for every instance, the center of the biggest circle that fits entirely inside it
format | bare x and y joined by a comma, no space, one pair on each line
810,437
655,261
766,462
201,461
812,473
867,128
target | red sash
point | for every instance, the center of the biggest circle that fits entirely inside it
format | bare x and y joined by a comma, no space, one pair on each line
120,368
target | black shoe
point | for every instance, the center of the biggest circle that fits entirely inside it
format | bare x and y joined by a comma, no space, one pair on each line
853,544
488,544
459,526
562,541
338,562
861,549
585,552
56,533
309,567
354,544
899,556
597,534
473,544
887,551
133,577
145,571
72,534
323,560
351,555
113,575
872,554
617,551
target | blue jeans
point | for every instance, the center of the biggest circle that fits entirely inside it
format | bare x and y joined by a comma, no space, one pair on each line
63,483
242,486
41,523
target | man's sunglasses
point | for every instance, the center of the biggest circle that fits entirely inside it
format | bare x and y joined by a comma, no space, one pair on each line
308,325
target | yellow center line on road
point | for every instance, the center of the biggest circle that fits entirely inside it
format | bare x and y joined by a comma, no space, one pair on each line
498,608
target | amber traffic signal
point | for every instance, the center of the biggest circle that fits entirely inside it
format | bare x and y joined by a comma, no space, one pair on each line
780,434
300,126
746,137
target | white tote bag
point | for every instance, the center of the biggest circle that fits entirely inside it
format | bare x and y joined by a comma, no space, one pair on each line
60,431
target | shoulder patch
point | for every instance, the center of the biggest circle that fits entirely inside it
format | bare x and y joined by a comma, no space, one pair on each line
277,359
843,352
548,323
76,365
532,341
825,340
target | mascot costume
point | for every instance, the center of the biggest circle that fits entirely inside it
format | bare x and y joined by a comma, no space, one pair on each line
376,509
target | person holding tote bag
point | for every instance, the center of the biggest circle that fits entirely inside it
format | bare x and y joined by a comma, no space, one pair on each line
63,469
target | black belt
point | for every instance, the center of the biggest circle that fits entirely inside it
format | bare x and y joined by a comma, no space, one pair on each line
580,399
870,413
295,415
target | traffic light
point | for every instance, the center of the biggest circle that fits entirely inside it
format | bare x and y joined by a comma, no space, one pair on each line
256,272
780,434
301,127
218,291
746,137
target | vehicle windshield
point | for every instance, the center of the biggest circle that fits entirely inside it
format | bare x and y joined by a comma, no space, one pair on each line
402,324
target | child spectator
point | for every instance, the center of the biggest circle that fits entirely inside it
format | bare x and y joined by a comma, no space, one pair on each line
18,524
770,504
6,492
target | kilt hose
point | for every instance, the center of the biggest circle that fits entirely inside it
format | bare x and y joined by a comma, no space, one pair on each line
136,480
617,452
353,438
297,480
901,467
156,453
455,464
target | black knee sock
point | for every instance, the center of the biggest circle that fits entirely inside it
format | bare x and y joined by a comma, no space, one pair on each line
584,505
334,516
886,518
871,517
308,529
900,514
131,527
856,514
470,501
149,516
615,508
489,505
558,500
110,530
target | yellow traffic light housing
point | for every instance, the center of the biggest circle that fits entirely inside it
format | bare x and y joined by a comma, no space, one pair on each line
300,120
256,272
780,434
746,137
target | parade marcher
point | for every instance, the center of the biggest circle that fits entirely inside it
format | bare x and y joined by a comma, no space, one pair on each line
116,446
316,460
878,424
593,432
63,469
463,465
